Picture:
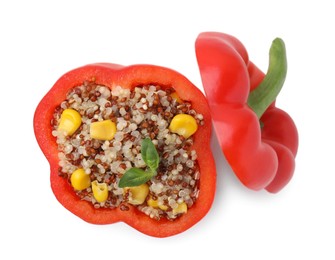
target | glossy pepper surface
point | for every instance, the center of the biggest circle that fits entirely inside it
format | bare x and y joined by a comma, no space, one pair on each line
259,140
111,75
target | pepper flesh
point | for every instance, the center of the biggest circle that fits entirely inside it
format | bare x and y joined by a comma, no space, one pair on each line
112,75
262,158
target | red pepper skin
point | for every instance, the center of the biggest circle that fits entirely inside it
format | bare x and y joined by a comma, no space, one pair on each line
111,75
262,158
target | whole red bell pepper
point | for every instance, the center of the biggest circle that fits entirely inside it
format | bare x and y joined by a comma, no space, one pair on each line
259,140
111,75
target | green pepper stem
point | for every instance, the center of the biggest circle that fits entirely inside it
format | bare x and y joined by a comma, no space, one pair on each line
267,91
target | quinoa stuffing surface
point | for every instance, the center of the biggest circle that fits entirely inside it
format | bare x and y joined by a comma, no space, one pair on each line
144,112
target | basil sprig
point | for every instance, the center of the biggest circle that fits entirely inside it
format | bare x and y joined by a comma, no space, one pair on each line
135,176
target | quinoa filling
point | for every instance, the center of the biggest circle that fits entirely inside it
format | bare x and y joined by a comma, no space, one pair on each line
144,112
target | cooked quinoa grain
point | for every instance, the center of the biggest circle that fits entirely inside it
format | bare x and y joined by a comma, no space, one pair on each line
145,111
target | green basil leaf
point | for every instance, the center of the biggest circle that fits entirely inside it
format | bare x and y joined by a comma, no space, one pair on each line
135,177
149,154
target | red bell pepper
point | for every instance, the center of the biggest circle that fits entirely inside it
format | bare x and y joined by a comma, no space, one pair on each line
259,140
111,75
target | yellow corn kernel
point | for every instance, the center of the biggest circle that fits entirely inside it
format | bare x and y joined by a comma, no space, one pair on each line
80,180
182,208
138,193
154,203
176,97
100,191
184,125
70,120
103,130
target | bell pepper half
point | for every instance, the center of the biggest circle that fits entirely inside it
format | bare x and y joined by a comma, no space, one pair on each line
111,75
259,140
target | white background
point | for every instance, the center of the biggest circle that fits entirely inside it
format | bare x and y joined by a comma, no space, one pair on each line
41,40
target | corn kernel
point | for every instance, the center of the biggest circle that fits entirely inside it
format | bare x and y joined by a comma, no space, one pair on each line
184,125
103,130
154,203
182,208
176,97
80,180
138,193
70,120
100,191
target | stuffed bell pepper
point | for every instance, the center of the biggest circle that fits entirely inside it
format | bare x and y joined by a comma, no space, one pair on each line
129,144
